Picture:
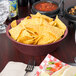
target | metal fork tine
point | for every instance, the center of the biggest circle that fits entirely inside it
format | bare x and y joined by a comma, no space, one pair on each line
30,66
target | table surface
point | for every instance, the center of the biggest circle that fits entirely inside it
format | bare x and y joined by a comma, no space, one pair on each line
65,52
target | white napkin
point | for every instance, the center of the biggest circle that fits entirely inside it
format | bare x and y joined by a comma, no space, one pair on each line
16,69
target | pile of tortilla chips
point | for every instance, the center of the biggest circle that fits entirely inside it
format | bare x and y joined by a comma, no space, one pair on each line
37,29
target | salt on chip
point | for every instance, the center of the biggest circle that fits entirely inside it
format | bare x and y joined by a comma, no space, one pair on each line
33,23
60,24
47,18
46,39
15,31
52,23
45,23
24,36
53,31
13,23
31,30
56,32
42,16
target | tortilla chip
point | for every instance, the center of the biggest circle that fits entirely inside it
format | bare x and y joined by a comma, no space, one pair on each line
56,32
38,15
46,38
36,39
30,41
37,30
24,36
16,31
14,24
60,24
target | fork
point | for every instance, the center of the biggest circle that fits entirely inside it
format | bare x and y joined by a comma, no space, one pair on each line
30,66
